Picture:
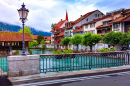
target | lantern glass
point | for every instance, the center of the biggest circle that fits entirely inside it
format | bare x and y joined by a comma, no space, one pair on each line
23,14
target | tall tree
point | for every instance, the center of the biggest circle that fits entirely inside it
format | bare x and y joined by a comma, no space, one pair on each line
39,38
124,38
76,40
90,39
53,25
65,41
112,38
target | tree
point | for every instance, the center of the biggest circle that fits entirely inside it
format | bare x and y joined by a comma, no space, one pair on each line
27,29
90,39
53,25
76,40
35,43
112,38
39,38
65,41
124,38
42,43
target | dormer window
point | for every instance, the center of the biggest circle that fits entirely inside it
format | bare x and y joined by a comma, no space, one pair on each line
95,15
105,23
86,20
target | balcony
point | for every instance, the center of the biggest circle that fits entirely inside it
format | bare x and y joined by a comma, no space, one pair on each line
67,35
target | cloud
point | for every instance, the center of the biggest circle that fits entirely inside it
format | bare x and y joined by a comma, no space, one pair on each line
42,13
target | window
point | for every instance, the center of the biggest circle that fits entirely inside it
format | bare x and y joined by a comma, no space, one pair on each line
87,20
116,25
92,31
98,15
86,26
95,15
105,23
92,25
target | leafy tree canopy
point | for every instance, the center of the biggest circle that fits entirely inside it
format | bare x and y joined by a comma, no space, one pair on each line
90,39
42,42
124,38
65,41
53,25
112,38
39,38
76,40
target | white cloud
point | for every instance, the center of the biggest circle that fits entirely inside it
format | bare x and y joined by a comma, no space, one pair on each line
42,13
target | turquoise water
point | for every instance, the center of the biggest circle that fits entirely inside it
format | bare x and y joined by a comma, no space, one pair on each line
51,64
3,64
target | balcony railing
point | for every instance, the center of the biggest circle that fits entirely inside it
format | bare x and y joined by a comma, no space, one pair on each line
67,35
78,61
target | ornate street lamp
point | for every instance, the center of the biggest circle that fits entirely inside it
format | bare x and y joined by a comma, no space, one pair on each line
23,13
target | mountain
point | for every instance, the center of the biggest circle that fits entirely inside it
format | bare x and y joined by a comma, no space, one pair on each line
16,28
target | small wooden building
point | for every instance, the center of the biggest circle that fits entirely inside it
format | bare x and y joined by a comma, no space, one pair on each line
13,41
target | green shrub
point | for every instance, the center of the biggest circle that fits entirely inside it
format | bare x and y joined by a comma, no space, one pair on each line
106,50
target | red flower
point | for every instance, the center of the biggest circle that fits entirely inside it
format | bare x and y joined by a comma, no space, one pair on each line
57,49
110,50
104,48
65,49
70,49
114,44
96,49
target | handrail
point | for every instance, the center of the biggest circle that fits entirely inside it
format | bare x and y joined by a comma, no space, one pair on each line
83,53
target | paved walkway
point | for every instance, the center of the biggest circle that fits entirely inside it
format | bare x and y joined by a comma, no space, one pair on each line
112,79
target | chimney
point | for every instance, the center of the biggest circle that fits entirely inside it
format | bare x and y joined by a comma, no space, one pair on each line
61,20
101,15
112,16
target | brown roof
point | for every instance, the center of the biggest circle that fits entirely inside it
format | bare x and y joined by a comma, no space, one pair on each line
35,37
102,26
77,30
47,38
61,34
58,25
118,19
14,36
107,16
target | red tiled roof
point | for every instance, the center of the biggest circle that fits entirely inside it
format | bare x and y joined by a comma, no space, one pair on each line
14,36
84,16
61,34
77,30
118,19
47,38
107,16
58,25
35,37
102,26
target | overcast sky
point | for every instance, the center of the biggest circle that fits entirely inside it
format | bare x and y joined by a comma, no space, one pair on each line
42,13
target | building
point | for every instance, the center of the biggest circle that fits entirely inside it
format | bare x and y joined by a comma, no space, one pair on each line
35,37
74,27
47,39
13,41
57,33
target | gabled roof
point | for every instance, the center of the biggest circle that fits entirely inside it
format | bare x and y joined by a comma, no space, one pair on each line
103,26
47,38
58,25
35,37
77,30
107,16
61,34
14,36
79,19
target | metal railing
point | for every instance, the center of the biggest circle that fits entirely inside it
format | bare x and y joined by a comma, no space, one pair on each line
82,61
3,66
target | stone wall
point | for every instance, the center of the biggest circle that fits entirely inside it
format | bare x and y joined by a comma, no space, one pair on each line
23,65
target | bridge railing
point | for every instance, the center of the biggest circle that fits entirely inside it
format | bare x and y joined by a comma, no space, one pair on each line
82,61
3,66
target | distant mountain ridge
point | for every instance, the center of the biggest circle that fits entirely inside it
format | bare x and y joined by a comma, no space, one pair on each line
16,28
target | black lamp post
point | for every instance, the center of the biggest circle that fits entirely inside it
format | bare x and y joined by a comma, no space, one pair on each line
23,13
